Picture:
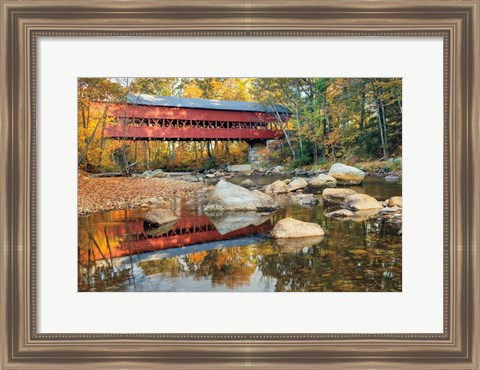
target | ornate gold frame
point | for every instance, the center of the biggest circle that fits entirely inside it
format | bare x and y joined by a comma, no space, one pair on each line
23,22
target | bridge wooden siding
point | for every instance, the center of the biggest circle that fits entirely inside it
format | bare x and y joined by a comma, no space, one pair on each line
147,122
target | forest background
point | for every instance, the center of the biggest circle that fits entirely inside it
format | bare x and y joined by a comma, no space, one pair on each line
355,121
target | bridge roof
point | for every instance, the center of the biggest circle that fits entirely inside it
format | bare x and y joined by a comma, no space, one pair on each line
226,105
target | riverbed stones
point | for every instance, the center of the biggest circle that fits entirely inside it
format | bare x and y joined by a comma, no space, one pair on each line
360,202
292,228
297,184
159,216
336,196
395,201
346,175
322,181
233,198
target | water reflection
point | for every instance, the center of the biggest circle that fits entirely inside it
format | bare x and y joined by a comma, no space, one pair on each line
232,252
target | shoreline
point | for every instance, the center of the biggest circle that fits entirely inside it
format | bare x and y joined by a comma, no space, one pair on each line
108,194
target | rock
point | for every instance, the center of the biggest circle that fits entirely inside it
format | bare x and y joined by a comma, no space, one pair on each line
159,174
287,181
291,228
336,196
392,178
209,175
248,184
146,174
341,213
279,187
346,175
297,184
320,171
234,198
390,209
278,169
317,184
306,200
226,222
360,202
394,202
160,216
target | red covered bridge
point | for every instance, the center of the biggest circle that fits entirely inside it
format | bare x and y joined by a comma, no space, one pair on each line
147,117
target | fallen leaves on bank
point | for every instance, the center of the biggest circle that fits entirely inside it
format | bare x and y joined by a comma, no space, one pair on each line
103,194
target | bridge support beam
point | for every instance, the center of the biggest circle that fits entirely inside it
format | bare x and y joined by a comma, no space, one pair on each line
257,153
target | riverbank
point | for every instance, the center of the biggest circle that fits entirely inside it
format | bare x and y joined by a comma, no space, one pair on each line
105,194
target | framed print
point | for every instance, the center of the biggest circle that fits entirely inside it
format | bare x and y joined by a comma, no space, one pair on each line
220,185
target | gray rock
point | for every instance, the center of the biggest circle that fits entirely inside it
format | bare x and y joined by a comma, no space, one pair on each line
360,202
321,182
158,173
233,198
279,187
390,209
297,184
395,202
291,228
336,196
248,184
346,175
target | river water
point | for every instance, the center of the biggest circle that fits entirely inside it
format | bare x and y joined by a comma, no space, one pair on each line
234,253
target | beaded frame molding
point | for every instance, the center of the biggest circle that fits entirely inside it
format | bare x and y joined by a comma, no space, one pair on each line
24,22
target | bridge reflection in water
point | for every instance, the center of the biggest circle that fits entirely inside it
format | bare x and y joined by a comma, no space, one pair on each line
123,233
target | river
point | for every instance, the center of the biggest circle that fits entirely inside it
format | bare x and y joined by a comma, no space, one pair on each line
199,254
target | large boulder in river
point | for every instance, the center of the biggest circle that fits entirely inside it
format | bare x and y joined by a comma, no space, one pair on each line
297,184
336,196
346,175
360,202
395,202
227,197
160,216
317,184
291,228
